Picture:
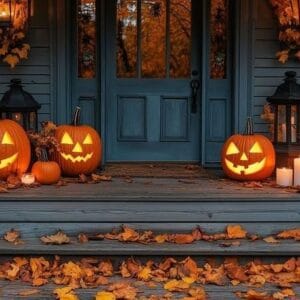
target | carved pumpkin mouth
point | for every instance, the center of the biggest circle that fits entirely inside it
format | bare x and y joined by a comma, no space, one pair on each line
78,158
4,163
251,169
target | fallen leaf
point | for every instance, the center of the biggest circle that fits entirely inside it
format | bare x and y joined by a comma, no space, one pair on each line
13,236
98,178
236,232
65,293
176,286
27,293
60,238
290,234
105,296
83,238
271,240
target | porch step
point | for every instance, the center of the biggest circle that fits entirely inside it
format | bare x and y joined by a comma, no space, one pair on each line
11,291
115,248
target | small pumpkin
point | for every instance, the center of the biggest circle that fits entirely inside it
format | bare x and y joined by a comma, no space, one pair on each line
80,148
15,152
46,172
249,156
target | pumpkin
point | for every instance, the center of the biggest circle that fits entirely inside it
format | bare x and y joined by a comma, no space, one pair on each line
249,156
46,172
80,148
15,152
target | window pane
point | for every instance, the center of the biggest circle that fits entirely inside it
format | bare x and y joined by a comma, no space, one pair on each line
153,39
127,38
180,38
218,37
87,39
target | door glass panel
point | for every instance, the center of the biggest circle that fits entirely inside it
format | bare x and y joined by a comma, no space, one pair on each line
127,38
180,38
218,39
87,39
153,39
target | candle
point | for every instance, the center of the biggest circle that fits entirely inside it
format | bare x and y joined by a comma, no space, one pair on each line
297,171
283,129
28,179
284,177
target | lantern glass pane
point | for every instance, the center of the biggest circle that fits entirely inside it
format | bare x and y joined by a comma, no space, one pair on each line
282,132
17,117
32,121
4,11
294,122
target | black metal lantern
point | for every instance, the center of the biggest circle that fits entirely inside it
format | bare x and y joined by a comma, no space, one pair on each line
286,105
20,106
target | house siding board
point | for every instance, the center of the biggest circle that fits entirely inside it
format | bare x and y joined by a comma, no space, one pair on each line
35,72
268,73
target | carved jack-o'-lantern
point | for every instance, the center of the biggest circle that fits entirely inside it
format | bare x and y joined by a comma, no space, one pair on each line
249,156
14,149
80,148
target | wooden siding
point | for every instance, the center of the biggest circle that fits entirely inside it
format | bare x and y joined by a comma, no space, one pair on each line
268,73
35,72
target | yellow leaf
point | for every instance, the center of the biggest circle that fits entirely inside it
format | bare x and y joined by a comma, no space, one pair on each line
105,296
176,285
144,274
65,293
12,60
236,232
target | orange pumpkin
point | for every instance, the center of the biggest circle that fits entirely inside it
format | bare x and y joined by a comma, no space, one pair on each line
15,152
46,172
249,156
80,148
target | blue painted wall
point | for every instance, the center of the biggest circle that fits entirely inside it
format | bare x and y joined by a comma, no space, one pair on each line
267,72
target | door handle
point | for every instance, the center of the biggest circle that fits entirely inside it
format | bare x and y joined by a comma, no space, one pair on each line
195,85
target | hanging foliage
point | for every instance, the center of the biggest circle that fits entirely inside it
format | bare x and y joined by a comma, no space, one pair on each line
13,47
288,15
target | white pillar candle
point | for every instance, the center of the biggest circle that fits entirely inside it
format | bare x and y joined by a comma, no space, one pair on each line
28,179
297,171
284,177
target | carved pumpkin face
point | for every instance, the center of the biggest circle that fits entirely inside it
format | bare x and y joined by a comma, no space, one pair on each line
248,157
14,149
80,149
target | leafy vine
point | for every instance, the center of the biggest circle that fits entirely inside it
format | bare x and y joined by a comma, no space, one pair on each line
13,46
288,15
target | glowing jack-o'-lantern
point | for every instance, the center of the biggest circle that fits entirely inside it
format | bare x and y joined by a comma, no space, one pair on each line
14,149
80,148
249,156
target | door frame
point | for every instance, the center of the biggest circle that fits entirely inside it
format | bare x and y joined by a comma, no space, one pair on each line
61,42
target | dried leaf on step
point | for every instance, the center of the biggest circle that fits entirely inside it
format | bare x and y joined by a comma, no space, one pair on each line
105,296
236,232
182,239
254,295
253,185
39,281
13,236
176,286
83,178
284,294
123,290
30,292
83,238
65,293
290,234
60,238
197,294
13,182
271,240
98,178
3,189
230,244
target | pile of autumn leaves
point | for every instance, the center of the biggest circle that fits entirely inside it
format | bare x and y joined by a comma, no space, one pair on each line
185,277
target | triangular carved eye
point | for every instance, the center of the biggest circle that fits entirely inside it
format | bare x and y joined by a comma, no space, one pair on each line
7,139
88,140
232,149
256,148
66,139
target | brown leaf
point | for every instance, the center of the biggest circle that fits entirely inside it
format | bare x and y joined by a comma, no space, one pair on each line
13,236
236,232
271,240
83,178
27,293
60,238
176,286
83,238
290,234
98,178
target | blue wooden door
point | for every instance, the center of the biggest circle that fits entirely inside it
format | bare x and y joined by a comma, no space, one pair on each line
153,53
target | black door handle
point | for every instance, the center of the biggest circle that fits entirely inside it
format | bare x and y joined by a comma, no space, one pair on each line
195,85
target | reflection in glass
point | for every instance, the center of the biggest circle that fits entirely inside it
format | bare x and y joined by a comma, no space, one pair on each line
218,39
180,38
153,39
127,38
294,121
87,39
282,132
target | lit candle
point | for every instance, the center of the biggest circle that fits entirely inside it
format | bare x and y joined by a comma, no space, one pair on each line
283,128
284,177
297,171
28,179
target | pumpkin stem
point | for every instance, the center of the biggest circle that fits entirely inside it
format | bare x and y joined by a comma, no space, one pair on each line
76,117
249,127
44,155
